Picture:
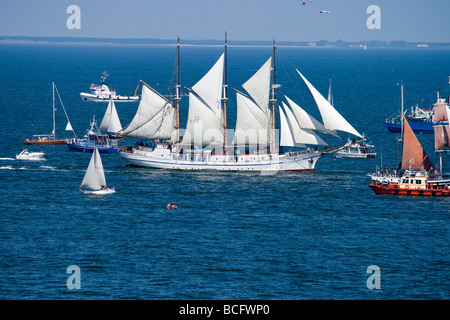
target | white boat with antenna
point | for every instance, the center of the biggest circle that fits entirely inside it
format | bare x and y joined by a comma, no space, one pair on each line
33,156
50,139
207,144
103,93
94,181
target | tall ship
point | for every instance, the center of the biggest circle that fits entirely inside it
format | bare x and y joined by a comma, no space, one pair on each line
206,142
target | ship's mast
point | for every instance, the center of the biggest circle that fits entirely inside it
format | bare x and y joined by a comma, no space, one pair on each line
225,96
402,116
274,97
178,91
54,125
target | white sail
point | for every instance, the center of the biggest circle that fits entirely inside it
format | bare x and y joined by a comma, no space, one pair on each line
69,126
111,121
251,123
302,137
307,121
332,119
258,86
94,178
204,125
286,139
154,119
330,95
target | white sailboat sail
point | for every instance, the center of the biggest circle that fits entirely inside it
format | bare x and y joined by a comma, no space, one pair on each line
111,121
258,86
301,136
253,119
205,125
332,119
94,178
154,119
307,121
251,123
69,126
286,139
330,95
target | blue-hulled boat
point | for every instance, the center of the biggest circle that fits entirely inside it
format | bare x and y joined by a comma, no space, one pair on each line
105,143
394,125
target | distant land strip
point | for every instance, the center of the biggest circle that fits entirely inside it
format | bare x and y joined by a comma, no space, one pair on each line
213,42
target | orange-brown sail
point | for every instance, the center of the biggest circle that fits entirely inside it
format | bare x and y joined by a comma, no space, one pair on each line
440,111
414,157
441,136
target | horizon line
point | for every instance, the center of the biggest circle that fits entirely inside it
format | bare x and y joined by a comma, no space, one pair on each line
102,40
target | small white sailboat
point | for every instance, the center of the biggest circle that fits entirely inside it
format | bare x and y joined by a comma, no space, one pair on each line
94,181
27,155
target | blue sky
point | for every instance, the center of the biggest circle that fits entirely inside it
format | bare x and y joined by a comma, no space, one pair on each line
286,20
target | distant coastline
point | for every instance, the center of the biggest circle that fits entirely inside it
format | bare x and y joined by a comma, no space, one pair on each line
212,42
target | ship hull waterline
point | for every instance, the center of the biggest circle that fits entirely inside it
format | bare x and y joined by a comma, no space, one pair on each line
302,162
380,189
48,142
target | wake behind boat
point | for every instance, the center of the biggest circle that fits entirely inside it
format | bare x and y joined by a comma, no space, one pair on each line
205,144
102,93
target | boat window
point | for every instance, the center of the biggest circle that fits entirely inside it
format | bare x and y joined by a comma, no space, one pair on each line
405,181
418,181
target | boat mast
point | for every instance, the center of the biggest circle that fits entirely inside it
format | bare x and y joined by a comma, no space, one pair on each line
274,97
225,96
178,91
402,116
54,125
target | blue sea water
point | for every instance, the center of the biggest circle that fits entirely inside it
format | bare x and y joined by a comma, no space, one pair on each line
235,235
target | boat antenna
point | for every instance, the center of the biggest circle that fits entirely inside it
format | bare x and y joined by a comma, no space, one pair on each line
225,95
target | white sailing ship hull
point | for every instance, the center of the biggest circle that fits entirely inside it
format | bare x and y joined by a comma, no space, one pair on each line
107,98
161,158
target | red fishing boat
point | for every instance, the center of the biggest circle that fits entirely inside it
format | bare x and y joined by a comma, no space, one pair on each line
412,183
418,176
